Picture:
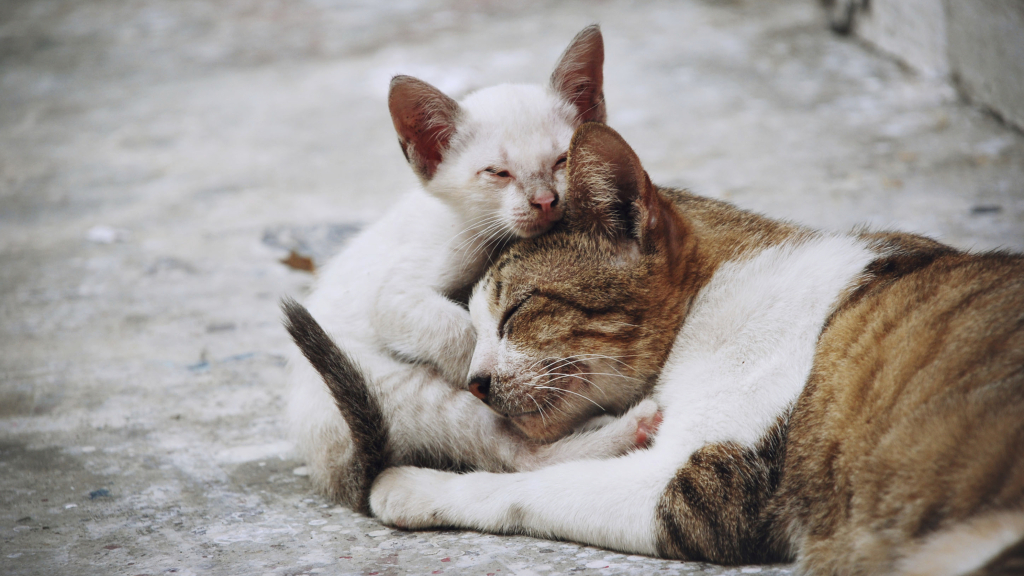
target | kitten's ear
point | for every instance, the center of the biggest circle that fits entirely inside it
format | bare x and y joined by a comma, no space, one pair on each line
425,119
609,193
579,77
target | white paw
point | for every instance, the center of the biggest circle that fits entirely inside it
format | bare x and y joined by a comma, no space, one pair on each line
647,418
621,435
454,359
404,497
636,428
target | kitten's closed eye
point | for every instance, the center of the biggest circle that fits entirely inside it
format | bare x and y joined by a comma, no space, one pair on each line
498,172
560,163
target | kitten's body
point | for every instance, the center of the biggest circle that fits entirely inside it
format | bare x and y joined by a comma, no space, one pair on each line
855,402
491,168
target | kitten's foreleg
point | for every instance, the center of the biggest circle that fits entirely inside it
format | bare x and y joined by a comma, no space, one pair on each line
421,325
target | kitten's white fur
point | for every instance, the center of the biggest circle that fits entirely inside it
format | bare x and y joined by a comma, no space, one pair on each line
383,298
739,362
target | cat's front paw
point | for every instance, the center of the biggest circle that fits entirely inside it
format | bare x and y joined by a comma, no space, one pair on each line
403,497
635,429
608,437
648,419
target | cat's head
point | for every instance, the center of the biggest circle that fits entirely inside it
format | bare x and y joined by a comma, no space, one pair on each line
498,157
580,320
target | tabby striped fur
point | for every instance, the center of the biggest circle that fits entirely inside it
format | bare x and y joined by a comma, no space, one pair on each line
854,402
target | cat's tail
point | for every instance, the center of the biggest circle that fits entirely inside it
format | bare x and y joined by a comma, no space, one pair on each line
360,408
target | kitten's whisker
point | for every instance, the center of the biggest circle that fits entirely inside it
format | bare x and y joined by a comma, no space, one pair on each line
483,231
474,228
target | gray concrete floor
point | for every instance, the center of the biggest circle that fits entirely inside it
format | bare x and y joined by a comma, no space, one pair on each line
158,159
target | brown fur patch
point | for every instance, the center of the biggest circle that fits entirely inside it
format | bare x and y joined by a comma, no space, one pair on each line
715,508
913,417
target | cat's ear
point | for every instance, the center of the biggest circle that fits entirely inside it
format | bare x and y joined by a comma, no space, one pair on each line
425,119
579,76
609,193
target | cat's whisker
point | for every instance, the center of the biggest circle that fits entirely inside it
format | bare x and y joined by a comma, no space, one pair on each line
504,243
540,410
570,392
587,380
568,361
545,359
483,231
492,228
612,358
474,226
616,375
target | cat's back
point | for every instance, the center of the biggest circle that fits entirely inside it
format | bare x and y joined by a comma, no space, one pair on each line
913,419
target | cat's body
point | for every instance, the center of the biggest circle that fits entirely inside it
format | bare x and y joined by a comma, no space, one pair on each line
492,169
851,401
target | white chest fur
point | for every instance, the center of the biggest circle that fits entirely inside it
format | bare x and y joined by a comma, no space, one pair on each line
746,349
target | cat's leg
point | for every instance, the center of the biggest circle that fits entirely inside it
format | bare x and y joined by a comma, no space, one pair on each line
712,505
610,503
421,325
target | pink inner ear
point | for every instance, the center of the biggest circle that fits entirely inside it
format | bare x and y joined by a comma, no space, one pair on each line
579,77
424,118
429,141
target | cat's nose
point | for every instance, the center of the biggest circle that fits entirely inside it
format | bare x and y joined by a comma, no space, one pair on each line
480,386
545,201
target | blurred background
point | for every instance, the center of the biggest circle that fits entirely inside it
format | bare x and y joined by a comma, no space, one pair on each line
170,169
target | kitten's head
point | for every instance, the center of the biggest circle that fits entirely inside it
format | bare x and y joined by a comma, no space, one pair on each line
580,320
498,157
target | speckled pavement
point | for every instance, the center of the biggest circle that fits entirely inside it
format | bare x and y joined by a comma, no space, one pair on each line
159,159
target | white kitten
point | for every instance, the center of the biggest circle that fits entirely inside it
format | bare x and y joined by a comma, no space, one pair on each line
492,169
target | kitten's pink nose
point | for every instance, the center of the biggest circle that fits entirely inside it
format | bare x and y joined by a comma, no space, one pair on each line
545,201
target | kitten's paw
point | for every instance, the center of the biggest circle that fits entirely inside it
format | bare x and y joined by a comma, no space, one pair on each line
403,497
455,358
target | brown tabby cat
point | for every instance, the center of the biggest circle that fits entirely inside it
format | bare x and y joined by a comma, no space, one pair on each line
851,401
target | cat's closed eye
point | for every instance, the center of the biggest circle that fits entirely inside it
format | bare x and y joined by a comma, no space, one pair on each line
560,163
508,315
498,172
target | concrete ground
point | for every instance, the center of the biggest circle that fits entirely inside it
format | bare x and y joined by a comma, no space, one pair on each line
159,159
